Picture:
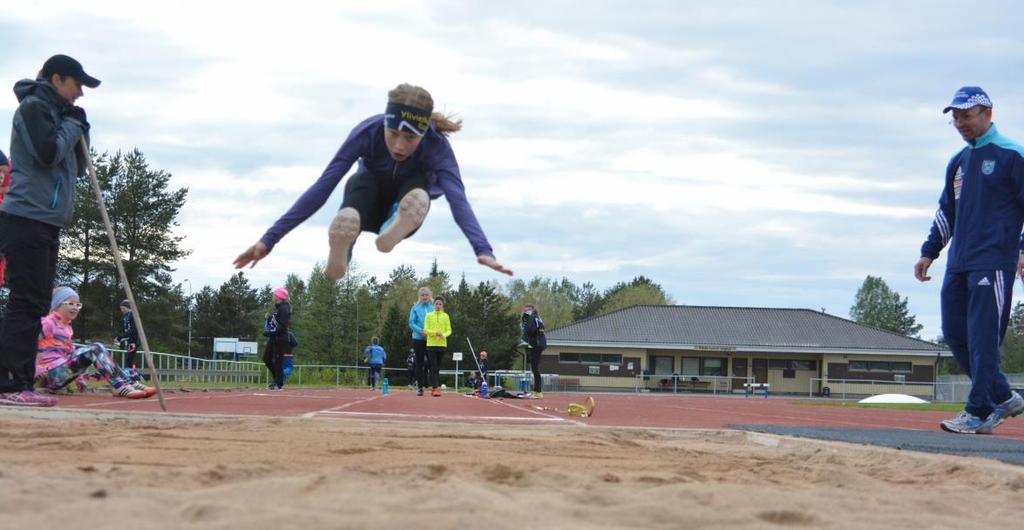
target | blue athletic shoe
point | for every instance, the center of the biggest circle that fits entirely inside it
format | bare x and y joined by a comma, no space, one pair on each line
964,423
1007,409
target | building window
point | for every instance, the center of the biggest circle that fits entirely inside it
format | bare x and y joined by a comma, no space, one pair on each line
790,364
881,366
878,366
663,365
590,358
712,367
902,367
806,366
691,366
611,358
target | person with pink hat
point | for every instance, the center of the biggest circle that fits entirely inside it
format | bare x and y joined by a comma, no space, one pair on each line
276,330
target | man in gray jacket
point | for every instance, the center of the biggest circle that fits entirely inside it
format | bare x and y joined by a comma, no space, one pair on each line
45,141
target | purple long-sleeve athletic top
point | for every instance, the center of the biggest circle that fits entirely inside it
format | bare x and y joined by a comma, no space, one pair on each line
365,143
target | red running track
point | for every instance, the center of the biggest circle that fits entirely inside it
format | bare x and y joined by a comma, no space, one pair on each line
620,410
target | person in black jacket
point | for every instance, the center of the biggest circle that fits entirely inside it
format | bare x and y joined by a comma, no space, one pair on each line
46,137
129,339
276,330
533,334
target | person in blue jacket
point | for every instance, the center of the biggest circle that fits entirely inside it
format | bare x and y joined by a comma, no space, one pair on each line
417,315
405,160
375,356
980,216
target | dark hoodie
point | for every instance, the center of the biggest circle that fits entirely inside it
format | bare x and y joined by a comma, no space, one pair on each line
46,146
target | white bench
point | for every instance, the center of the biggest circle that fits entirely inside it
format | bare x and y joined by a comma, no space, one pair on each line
751,388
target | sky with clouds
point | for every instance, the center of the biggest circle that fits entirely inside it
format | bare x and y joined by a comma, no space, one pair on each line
738,153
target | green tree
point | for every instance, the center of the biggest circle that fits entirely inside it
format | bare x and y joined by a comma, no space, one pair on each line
143,211
240,309
1013,345
587,302
395,336
484,315
205,324
878,306
639,291
323,323
554,299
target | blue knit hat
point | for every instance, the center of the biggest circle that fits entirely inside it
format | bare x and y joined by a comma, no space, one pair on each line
3,159
59,295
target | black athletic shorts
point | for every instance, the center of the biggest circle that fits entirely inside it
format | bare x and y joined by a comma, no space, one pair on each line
374,196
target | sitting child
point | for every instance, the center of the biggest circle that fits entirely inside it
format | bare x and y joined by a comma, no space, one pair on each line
58,362
473,381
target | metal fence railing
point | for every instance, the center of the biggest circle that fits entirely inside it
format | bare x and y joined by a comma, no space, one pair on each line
943,391
180,368
690,384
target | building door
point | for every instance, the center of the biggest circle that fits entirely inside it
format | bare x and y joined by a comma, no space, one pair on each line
739,369
760,370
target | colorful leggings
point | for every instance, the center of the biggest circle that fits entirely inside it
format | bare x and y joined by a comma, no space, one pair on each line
59,373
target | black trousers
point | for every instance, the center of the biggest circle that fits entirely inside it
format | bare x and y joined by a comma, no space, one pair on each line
535,367
31,248
374,376
130,351
422,370
434,355
273,358
373,196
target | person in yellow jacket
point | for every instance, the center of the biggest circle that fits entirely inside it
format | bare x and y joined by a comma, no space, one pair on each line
437,327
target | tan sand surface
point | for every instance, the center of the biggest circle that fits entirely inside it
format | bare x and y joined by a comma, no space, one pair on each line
70,469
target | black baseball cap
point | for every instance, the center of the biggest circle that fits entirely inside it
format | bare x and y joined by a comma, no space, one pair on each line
67,66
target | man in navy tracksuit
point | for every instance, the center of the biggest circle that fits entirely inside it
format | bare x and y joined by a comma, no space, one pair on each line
983,206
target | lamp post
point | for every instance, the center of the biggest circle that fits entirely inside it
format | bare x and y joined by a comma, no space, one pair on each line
189,323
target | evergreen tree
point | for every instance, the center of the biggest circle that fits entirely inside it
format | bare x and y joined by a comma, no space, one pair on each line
484,315
395,336
323,332
205,324
240,309
878,306
144,214
142,211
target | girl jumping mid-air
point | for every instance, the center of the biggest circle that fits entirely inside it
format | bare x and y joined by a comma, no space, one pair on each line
405,160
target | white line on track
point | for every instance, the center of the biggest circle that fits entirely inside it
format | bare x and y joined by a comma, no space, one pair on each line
435,416
335,410
541,413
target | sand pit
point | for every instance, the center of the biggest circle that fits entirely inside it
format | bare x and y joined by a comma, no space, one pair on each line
72,469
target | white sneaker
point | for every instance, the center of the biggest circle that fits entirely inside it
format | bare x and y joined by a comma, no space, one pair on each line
341,235
412,210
